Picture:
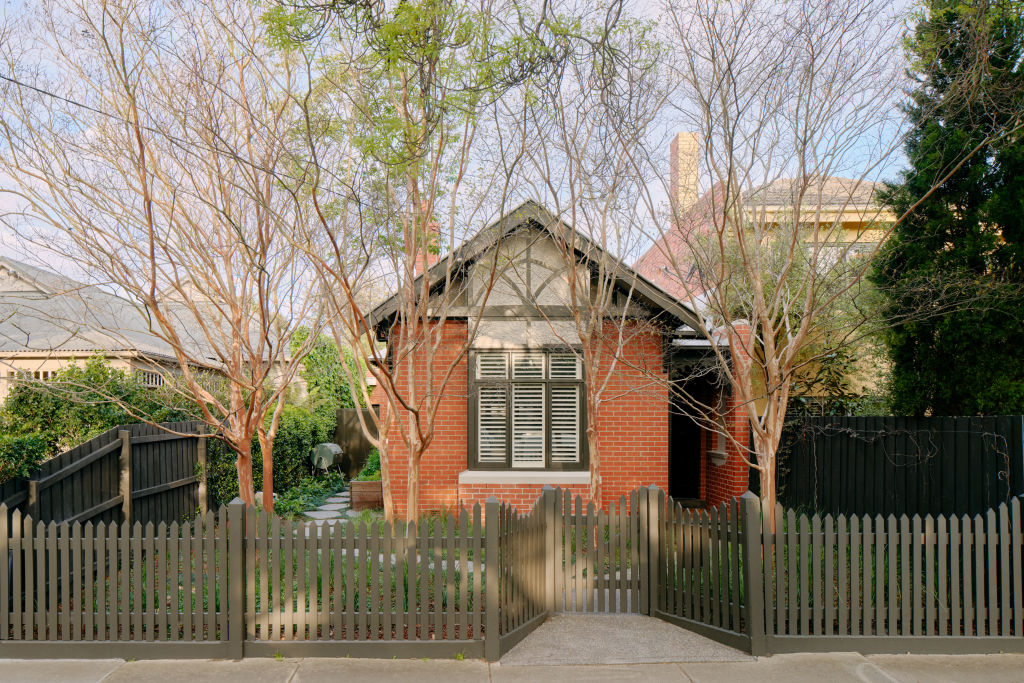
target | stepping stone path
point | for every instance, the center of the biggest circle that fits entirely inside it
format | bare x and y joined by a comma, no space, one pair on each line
335,508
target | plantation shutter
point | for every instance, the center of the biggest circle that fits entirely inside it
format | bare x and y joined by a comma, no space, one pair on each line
565,423
492,427
492,366
528,425
528,365
564,366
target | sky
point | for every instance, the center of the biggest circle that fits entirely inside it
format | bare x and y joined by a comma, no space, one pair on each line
14,247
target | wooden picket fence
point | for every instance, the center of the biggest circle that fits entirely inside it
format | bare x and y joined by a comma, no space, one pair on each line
238,581
703,556
938,584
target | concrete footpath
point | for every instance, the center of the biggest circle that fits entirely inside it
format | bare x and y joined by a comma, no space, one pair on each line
564,648
815,668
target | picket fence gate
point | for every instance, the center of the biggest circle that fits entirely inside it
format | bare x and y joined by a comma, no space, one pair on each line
237,582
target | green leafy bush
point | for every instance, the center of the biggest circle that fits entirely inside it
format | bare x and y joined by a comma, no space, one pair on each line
21,455
323,368
371,469
310,494
40,419
298,432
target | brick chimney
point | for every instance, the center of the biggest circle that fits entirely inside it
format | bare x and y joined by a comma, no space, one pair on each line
428,249
684,156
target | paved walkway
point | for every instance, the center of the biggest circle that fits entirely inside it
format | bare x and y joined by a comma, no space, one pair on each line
813,668
569,639
336,508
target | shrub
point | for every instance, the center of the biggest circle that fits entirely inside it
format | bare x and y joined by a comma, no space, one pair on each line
323,368
298,432
21,455
77,404
371,469
309,494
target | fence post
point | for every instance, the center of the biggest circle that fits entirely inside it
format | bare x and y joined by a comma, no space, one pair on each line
492,568
754,569
550,549
655,501
236,579
125,484
32,502
201,463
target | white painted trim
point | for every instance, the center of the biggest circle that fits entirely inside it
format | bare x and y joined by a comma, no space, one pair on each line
504,477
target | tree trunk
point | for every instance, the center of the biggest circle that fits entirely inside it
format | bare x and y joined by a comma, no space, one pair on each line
267,449
413,487
243,464
385,479
594,454
766,462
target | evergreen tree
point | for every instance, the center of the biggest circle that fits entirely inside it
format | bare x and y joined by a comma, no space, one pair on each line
951,274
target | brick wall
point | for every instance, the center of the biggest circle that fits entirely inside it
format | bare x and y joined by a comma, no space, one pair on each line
632,422
632,430
520,496
446,456
732,479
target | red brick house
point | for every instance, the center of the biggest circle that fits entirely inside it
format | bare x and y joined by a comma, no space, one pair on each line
512,419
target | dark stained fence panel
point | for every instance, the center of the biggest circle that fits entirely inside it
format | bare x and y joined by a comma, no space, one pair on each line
902,465
349,435
84,484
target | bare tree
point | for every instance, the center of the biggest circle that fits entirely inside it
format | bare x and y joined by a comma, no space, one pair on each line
588,127
408,163
796,107
148,143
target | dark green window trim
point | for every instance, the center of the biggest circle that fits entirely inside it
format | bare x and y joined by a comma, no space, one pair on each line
473,402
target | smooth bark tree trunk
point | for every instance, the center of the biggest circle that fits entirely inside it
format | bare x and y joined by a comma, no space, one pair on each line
243,465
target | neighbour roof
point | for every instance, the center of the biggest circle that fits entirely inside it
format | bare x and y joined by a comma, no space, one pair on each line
45,311
835,192
530,213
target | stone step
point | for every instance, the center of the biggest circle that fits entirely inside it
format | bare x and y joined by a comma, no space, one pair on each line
323,514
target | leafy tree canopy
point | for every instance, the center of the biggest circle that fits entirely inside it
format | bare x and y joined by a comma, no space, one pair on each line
325,373
951,275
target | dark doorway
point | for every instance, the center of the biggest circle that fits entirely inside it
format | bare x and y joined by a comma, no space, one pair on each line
684,449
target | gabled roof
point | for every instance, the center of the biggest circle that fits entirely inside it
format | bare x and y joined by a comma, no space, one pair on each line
530,213
49,312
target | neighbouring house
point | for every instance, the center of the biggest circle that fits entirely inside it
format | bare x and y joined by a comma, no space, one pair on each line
49,321
512,418
844,208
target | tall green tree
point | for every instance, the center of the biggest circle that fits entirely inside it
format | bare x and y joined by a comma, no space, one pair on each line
951,274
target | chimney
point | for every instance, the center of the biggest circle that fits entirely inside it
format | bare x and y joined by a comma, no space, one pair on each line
428,248
684,157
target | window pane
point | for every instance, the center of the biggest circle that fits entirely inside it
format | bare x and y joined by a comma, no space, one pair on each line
492,366
565,366
565,424
528,365
492,432
528,425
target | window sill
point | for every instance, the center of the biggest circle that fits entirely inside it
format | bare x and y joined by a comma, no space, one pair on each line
509,477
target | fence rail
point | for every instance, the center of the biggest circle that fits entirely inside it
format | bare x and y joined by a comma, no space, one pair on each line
901,465
140,472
